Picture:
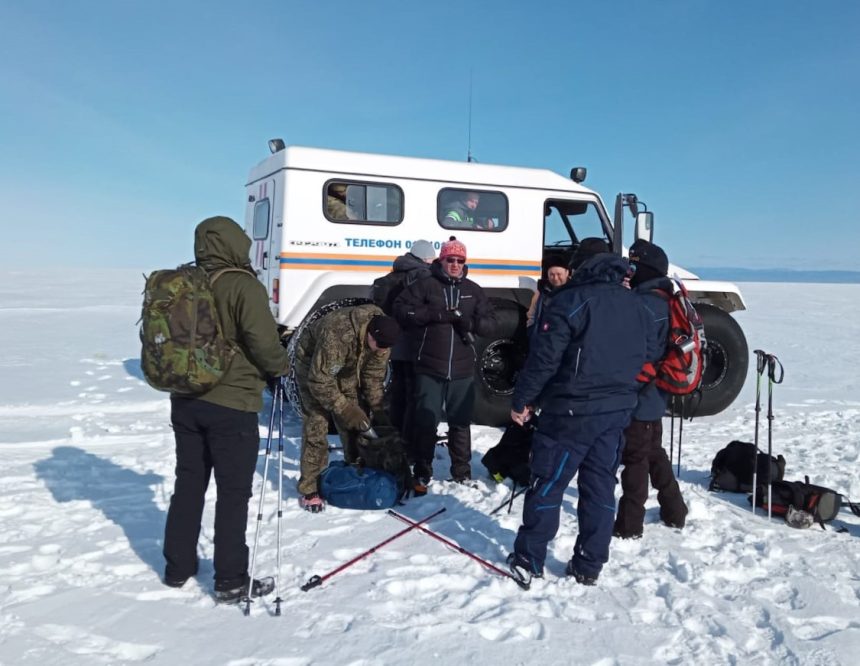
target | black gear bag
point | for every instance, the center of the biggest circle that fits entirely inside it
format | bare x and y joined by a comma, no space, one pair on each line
510,457
732,468
385,452
821,503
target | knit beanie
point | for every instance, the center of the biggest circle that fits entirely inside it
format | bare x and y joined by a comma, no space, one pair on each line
452,248
588,247
385,330
643,253
423,250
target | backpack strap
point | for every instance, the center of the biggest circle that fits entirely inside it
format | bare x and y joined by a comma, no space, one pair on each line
214,276
648,372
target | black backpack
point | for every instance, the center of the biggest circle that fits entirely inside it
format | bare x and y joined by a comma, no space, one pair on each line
509,459
732,468
821,503
385,452
385,290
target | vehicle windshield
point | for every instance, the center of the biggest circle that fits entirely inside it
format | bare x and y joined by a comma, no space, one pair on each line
567,222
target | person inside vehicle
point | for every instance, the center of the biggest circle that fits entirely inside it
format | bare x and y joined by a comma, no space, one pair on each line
461,213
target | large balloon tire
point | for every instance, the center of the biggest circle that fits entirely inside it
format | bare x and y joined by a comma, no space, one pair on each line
726,363
498,360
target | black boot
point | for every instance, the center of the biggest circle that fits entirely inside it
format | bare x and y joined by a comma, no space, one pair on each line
460,450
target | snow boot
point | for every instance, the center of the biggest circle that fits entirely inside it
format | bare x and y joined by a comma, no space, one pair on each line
523,571
579,577
312,503
259,588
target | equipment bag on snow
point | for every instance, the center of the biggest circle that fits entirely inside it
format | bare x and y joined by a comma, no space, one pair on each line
509,459
183,349
385,452
822,504
679,372
732,468
350,487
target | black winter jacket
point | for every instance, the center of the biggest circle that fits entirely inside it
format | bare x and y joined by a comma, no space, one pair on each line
426,310
594,339
652,401
407,269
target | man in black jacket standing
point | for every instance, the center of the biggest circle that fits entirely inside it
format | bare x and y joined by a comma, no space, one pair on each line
407,269
442,314
644,455
581,372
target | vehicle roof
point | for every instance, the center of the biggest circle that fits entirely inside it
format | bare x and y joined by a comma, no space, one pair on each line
393,166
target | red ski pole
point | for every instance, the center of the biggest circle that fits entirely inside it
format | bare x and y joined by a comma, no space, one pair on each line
458,548
316,581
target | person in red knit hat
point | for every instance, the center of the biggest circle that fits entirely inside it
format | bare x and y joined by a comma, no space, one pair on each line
443,313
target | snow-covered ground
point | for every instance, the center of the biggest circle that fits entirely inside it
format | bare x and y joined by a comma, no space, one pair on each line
86,472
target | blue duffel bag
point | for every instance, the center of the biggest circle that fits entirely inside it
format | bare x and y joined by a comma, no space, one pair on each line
350,487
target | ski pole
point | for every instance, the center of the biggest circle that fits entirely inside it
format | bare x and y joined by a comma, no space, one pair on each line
281,395
247,598
760,358
510,500
772,363
672,432
459,549
316,581
680,437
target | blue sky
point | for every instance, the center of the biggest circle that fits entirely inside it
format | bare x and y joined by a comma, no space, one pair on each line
122,124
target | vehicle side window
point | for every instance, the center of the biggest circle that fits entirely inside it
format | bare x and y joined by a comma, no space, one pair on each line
354,202
475,210
261,219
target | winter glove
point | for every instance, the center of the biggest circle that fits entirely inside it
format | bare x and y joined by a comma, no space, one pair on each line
354,418
464,326
444,316
273,384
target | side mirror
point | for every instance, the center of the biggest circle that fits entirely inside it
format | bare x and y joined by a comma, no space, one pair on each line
644,226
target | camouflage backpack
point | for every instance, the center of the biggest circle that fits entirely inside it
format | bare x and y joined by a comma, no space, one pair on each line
183,347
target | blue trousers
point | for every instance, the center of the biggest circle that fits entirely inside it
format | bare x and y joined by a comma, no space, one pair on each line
562,446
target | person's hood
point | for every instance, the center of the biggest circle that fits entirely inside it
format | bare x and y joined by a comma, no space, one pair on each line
647,286
603,267
220,243
409,262
438,271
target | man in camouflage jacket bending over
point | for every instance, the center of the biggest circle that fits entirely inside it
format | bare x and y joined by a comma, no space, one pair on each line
340,366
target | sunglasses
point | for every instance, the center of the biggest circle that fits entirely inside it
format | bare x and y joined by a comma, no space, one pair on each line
455,260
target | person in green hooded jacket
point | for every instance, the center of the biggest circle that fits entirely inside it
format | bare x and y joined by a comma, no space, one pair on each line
218,431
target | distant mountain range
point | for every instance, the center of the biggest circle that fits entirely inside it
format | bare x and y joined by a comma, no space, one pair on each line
776,275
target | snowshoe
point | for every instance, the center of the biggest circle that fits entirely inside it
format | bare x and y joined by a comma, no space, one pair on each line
522,571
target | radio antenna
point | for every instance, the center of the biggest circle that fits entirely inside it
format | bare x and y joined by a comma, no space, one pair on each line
469,157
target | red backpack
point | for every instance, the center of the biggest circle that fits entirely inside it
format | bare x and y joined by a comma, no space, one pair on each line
679,372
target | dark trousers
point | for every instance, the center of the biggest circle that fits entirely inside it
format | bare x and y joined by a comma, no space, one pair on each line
456,399
644,457
562,446
401,395
211,437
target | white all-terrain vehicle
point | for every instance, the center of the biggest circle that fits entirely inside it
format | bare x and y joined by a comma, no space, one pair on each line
326,223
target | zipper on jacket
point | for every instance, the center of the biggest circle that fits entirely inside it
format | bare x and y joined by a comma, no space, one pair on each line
576,365
421,346
451,352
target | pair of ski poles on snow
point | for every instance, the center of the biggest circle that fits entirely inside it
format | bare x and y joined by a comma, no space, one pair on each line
277,409
775,375
316,581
